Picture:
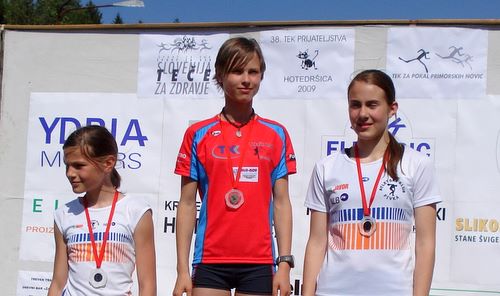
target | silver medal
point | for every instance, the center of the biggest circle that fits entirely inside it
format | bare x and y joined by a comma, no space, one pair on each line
98,278
367,226
234,198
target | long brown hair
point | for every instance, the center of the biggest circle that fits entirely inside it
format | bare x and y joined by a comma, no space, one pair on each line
382,80
95,142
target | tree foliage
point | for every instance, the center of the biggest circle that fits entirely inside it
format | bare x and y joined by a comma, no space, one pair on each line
18,12
2,11
46,12
118,19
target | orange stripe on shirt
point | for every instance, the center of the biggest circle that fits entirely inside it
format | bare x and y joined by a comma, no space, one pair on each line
388,236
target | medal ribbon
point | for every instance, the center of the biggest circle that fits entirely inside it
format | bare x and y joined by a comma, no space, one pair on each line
98,259
366,208
245,141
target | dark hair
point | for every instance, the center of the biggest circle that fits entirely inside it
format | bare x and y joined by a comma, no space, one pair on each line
236,53
95,142
382,80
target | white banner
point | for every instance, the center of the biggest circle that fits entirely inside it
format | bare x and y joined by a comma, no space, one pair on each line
307,63
178,65
444,113
438,62
33,283
475,235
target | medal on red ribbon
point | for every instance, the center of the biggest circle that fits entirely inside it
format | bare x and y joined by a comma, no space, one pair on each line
98,277
234,197
368,224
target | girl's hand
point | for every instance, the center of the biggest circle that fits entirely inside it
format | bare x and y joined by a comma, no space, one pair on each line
183,284
281,280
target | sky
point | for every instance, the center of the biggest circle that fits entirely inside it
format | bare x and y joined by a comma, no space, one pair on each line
188,11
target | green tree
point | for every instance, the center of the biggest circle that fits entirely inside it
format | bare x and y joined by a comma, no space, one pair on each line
2,11
19,12
44,12
71,12
94,15
118,19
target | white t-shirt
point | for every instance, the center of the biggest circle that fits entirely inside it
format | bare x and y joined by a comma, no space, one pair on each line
382,263
119,257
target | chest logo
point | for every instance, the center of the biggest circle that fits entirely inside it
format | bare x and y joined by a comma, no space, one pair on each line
392,189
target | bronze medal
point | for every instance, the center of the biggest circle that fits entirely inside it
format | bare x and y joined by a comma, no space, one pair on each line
234,198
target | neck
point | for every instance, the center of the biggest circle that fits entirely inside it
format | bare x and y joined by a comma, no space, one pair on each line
238,113
100,198
372,150
240,120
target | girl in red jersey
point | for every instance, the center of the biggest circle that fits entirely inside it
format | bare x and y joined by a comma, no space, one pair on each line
239,163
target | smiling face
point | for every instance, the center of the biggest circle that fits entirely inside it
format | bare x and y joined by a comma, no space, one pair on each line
83,174
369,110
242,83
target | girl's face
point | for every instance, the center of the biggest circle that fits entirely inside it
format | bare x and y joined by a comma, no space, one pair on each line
369,111
84,175
241,85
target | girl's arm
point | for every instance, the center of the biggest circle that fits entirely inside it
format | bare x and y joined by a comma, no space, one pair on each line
185,223
425,243
315,251
145,255
283,228
60,274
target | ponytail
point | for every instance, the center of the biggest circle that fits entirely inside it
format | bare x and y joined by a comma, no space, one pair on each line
115,178
395,154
